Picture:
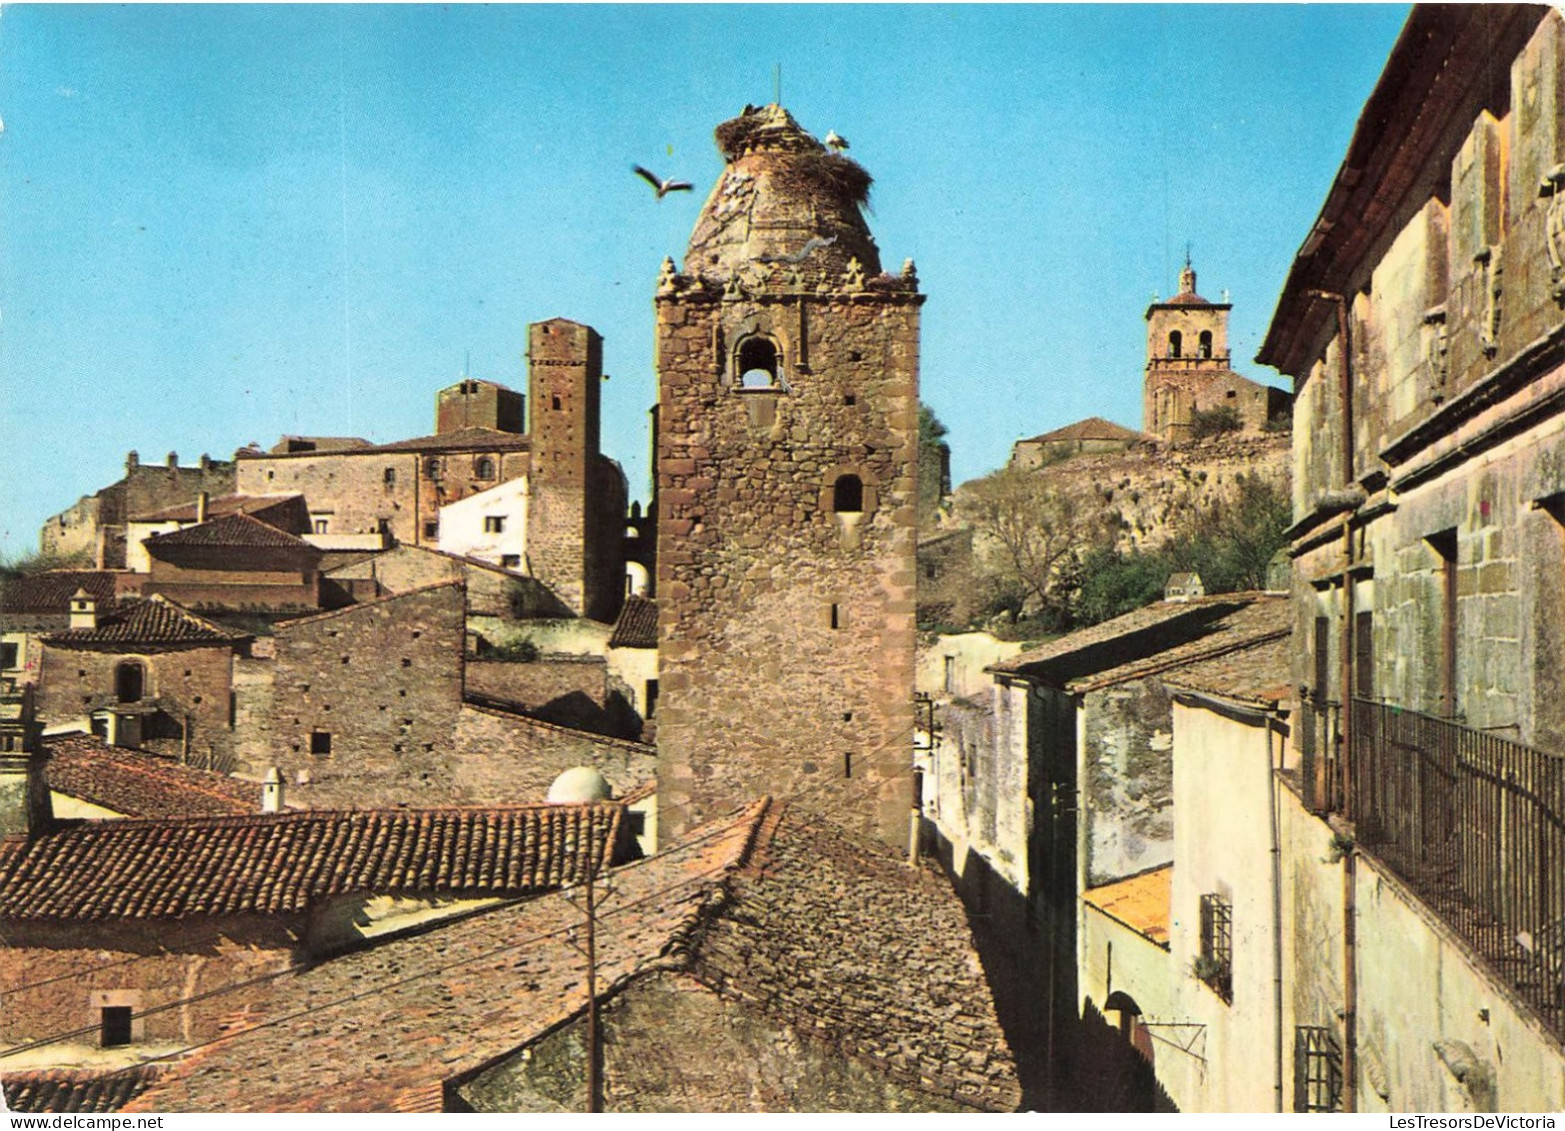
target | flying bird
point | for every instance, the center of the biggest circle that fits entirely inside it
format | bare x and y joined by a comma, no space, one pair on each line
661,186
836,141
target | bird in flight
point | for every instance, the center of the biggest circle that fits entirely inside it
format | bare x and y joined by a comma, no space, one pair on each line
661,186
836,141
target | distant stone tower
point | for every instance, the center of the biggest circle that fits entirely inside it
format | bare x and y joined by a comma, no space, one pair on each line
565,362
1187,346
786,474
478,404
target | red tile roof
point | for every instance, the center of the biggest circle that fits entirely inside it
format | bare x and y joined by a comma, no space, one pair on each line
155,620
835,939
280,863
462,995
135,784
1141,902
637,625
75,1089
1153,639
220,506
230,530
52,590
1093,428
1260,675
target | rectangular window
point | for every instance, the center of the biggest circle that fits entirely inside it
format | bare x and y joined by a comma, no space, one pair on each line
320,743
1364,655
431,530
652,698
950,675
114,1026
1444,546
1317,1069
494,524
9,654
1215,964
834,616
510,561
320,526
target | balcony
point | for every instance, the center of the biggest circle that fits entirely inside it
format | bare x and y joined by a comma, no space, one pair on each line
1472,823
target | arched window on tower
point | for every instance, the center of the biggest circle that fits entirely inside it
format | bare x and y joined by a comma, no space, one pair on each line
847,495
1206,343
758,364
130,681
485,468
1176,342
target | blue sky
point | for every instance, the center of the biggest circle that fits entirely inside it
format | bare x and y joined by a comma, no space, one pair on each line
222,224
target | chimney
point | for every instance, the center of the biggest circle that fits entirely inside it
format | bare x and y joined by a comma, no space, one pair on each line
132,462
272,792
206,462
84,610
201,502
173,459
24,789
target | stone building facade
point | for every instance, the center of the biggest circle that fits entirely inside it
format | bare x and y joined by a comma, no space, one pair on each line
1423,328
94,527
1189,368
571,530
786,478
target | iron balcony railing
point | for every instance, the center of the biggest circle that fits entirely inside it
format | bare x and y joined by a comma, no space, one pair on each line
1475,825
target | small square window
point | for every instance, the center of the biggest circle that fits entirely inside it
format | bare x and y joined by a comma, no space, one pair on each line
114,1026
320,526
494,524
320,743
510,561
431,529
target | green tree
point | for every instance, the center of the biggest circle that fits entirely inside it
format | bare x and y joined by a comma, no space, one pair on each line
1036,534
934,466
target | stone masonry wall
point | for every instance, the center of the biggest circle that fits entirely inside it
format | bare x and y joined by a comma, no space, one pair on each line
787,632
191,683
1127,803
384,680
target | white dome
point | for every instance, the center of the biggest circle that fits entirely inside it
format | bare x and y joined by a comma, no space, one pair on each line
578,785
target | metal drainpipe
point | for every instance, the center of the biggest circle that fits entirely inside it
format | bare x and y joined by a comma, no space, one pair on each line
1345,722
1271,794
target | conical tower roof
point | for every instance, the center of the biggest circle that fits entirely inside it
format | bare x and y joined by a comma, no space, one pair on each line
783,198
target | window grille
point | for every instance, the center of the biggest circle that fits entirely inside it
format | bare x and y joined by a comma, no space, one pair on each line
1215,966
1317,1069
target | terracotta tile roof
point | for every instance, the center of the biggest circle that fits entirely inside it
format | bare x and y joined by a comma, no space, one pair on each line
637,625
839,940
1261,675
142,785
463,440
52,590
242,530
66,1090
842,939
1141,902
155,620
1152,640
461,995
280,863
1093,428
219,507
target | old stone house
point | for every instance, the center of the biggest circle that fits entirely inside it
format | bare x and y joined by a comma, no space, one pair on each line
35,603
710,958
94,528
147,673
787,435
569,535
1422,326
1091,435
1189,368
285,512
239,563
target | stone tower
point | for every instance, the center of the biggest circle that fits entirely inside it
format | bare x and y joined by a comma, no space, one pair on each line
1187,345
565,366
786,480
478,404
